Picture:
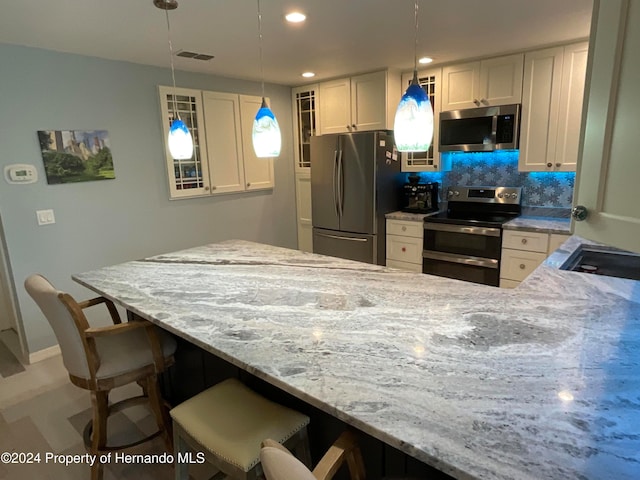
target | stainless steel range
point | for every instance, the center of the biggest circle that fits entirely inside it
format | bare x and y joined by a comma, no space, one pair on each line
465,241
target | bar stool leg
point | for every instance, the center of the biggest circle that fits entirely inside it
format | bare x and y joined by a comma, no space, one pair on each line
159,411
179,446
100,402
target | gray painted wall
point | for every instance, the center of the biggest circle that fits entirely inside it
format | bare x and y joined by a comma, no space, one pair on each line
112,221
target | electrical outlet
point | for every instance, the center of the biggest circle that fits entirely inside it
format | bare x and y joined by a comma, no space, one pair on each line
45,217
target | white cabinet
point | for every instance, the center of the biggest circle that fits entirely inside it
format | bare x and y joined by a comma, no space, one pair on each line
494,81
222,127
258,172
359,103
431,160
404,244
522,252
224,160
553,90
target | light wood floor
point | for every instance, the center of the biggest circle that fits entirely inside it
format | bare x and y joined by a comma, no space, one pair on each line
41,411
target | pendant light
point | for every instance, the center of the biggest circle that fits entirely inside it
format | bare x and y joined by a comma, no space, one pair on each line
413,124
266,132
179,141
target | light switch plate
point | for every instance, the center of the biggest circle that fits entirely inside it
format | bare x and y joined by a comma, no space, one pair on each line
45,217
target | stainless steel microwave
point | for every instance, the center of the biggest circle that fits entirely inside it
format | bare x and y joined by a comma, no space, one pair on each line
480,129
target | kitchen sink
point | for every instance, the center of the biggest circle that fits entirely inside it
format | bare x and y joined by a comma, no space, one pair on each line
601,260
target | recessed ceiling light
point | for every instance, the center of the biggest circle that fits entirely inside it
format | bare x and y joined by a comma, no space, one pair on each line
308,74
295,17
424,60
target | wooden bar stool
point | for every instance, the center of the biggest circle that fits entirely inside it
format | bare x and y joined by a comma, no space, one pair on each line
279,464
103,358
227,422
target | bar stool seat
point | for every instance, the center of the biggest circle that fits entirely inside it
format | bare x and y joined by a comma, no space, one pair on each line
227,422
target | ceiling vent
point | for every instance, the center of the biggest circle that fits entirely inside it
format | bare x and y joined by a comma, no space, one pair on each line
194,55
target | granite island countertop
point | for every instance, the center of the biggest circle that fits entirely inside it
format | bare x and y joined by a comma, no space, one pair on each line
540,382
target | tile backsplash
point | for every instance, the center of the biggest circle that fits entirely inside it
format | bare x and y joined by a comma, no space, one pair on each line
500,168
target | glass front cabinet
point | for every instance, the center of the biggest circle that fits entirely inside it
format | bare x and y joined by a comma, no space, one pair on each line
190,177
305,115
429,161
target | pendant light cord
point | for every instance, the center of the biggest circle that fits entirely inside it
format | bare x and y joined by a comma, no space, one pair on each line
415,43
173,74
260,43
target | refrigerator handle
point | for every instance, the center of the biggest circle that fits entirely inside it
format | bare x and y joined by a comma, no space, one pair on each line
340,184
335,197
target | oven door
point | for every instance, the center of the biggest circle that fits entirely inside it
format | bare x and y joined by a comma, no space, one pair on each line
471,241
464,252
461,267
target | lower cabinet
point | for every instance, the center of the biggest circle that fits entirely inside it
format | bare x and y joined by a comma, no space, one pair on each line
522,252
404,245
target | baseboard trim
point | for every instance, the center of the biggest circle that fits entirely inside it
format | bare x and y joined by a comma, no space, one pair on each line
44,354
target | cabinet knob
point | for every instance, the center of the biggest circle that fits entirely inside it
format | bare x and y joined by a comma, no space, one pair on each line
435,165
404,229
558,164
206,189
214,187
475,100
349,127
404,249
484,100
524,241
248,184
522,266
354,126
549,165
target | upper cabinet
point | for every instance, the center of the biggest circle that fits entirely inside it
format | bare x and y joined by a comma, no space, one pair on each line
187,178
258,172
223,159
305,104
553,91
359,103
495,81
429,161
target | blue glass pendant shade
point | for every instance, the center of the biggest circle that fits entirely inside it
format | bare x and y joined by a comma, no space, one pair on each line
180,141
413,124
266,133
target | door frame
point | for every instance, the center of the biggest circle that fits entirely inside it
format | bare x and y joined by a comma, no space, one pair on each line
8,292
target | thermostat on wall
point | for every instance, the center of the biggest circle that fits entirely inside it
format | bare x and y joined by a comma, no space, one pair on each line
20,173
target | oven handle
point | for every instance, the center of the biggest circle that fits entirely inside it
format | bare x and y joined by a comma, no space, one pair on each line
465,260
443,227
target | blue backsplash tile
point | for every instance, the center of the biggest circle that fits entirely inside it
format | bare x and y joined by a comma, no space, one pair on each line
500,168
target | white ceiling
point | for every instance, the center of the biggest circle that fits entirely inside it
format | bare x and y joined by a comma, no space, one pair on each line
340,37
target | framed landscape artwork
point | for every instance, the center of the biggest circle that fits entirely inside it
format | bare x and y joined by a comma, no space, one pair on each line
76,155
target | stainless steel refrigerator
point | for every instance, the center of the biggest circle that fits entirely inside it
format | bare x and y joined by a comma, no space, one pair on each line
355,180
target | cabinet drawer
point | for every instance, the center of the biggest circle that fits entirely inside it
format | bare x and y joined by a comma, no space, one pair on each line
404,249
405,228
529,241
412,267
518,264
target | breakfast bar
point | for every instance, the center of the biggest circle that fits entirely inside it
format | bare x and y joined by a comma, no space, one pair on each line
479,382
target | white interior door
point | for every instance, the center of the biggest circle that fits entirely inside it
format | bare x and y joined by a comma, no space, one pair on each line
609,170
